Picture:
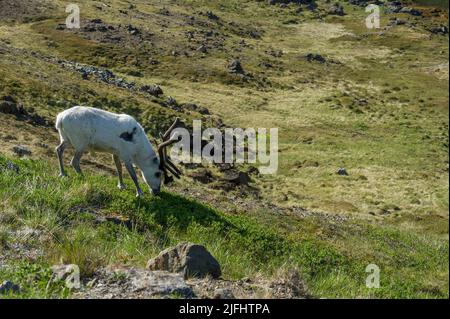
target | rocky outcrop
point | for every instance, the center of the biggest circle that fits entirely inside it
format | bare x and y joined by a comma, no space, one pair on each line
134,283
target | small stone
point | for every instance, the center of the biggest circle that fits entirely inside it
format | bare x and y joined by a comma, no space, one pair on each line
235,66
21,150
336,9
342,172
223,293
12,167
154,90
312,57
8,287
202,48
237,177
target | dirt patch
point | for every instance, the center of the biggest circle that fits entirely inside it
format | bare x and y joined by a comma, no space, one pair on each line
24,10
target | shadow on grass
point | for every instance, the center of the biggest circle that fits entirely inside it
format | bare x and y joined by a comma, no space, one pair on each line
176,211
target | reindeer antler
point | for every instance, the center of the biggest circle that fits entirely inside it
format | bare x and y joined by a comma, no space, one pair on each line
165,163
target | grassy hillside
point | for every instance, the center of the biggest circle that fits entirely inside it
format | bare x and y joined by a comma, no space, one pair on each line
376,103
332,257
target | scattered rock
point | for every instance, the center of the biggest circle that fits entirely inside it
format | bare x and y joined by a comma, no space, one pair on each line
12,167
237,177
191,260
252,170
342,172
103,75
235,66
393,7
8,287
203,176
441,30
307,163
154,90
27,232
336,9
164,12
223,293
171,102
134,283
8,105
289,284
116,219
196,108
21,150
411,11
133,30
313,57
212,16
361,3
202,49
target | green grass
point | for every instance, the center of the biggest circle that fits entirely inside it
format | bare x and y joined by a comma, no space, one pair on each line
395,145
331,257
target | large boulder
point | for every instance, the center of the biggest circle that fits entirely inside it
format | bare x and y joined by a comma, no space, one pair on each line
190,259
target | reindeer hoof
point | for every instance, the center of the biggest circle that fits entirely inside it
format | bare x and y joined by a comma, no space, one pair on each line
121,187
139,194
62,175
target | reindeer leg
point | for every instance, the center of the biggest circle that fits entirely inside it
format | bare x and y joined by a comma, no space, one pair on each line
116,158
133,176
60,152
75,162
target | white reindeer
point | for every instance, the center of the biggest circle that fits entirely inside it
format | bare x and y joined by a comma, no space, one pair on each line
91,129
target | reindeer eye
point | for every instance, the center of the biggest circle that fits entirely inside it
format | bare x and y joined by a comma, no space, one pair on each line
158,174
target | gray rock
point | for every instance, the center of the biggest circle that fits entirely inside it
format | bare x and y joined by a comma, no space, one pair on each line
8,287
154,90
237,177
202,48
21,150
158,283
411,11
135,283
212,16
223,293
313,57
171,102
336,9
8,105
235,66
190,259
12,167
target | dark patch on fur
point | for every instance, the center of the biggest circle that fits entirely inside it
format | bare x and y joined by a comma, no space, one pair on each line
128,136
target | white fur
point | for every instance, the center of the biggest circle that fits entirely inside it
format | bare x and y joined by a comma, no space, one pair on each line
91,129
